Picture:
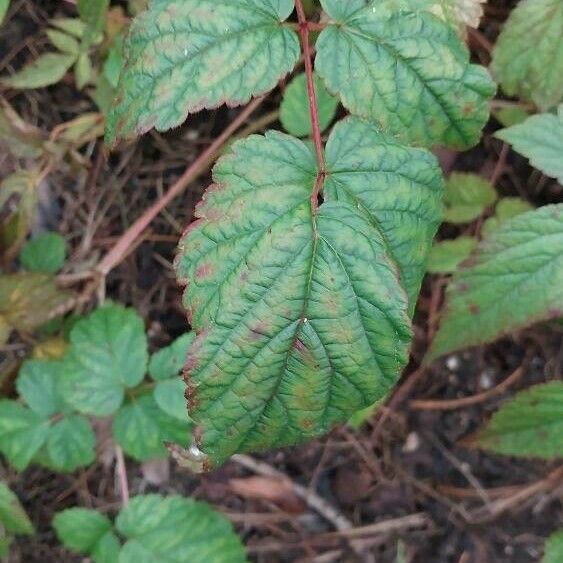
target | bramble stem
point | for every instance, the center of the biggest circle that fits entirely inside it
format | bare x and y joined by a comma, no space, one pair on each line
313,107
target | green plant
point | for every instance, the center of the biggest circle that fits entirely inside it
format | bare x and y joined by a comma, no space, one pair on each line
13,519
301,253
154,528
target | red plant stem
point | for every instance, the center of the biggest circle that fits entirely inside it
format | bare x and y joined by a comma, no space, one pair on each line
313,107
127,240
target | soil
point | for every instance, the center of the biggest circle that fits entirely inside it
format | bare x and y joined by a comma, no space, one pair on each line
472,507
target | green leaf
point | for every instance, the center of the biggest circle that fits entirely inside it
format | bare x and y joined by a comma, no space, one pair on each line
278,288
553,552
83,70
294,110
447,255
108,354
93,14
539,138
44,253
509,116
528,55
466,197
506,208
141,428
4,5
12,515
64,42
38,385
169,396
531,424
22,433
5,542
514,280
44,71
408,71
169,361
107,549
71,443
72,26
176,530
114,62
81,529
186,55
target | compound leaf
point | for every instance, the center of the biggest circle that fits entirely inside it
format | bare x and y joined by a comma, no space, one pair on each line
44,253
81,529
539,138
528,55
108,354
175,529
44,71
531,424
277,287
141,428
12,515
466,197
515,279
294,109
408,71
553,552
185,55
71,443
22,433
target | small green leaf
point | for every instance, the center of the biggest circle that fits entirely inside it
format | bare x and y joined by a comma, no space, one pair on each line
506,208
509,116
44,71
4,5
108,354
81,529
22,433
446,256
175,529
553,552
38,385
72,26
114,62
83,70
276,299
63,42
169,396
141,428
12,515
407,71
45,253
294,110
515,279
527,58
169,361
186,55
107,549
71,443
466,197
539,138
531,424
93,14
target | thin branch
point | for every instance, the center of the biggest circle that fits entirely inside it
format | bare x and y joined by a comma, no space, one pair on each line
121,471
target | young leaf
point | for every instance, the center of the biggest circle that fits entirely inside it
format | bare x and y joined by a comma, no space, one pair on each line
516,279
407,71
553,552
4,5
93,14
71,443
12,515
141,428
169,362
527,58
160,529
44,71
38,383
294,109
531,424
506,208
108,354
277,286
169,396
72,26
44,253
539,138
186,55
22,433
466,197
64,42
81,529
107,549
447,255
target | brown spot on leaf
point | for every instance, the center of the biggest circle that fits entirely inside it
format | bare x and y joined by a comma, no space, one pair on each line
203,271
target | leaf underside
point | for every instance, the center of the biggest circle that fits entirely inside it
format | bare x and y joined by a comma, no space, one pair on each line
516,279
302,314
407,71
186,55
